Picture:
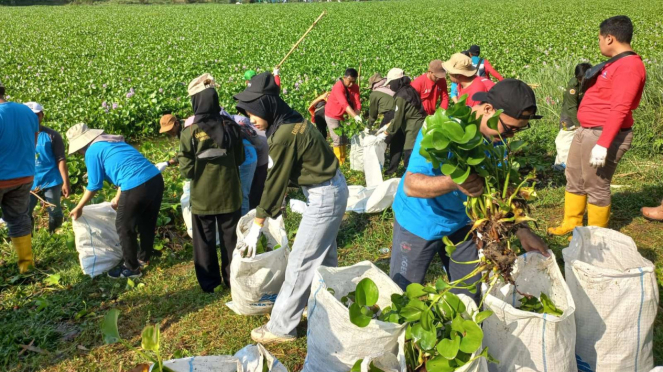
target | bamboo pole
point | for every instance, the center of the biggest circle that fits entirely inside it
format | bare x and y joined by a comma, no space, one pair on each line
300,40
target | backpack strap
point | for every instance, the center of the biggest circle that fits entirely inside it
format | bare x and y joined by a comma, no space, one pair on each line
594,72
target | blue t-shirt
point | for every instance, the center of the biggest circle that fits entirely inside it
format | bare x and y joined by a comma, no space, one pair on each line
429,219
118,163
50,151
453,92
18,127
250,154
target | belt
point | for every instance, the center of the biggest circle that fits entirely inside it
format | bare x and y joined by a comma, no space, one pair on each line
601,128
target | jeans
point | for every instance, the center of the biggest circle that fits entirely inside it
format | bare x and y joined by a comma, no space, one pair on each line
411,256
315,245
51,195
15,203
246,172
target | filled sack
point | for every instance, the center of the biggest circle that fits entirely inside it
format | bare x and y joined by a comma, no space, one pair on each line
563,145
255,358
210,363
373,153
357,152
372,199
97,242
616,297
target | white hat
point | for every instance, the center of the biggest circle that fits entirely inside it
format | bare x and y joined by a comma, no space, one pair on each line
80,136
201,83
394,74
35,107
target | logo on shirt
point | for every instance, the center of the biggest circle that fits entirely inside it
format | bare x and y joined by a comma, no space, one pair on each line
572,91
604,74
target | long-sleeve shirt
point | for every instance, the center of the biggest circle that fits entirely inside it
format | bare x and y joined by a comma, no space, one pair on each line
479,84
408,119
339,101
610,102
379,103
302,157
485,69
568,117
431,92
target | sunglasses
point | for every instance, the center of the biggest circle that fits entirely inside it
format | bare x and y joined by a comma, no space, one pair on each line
509,129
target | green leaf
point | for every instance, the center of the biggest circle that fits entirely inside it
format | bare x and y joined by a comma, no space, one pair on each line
441,284
476,157
357,366
481,316
357,317
472,338
53,279
415,290
453,130
448,348
440,364
425,339
460,175
150,338
449,167
494,120
427,319
109,327
367,293
484,353
471,144
454,303
516,145
470,133
549,307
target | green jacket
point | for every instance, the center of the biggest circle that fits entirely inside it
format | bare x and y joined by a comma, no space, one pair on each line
379,103
302,157
215,185
407,118
568,118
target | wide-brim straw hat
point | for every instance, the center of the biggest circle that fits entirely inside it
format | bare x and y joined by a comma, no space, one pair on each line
80,136
460,64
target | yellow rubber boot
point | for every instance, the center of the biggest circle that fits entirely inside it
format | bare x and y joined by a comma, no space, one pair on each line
23,246
598,216
344,153
339,155
574,210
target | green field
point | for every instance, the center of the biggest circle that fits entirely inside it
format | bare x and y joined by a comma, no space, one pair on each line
73,59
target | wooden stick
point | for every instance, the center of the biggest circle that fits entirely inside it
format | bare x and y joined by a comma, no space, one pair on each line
359,77
43,202
300,39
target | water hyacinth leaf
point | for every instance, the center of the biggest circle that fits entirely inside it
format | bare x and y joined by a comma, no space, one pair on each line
460,174
357,366
450,249
427,318
109,327
426,144
449,168
150,338
516,145
476,157
457,324
448,348
470,133
367,293
482,172
415,290
441,285
357,317
454,302
484,353
472,338
473,143
494,120
439,140
453,130
440,364
483,315
425,339
549,307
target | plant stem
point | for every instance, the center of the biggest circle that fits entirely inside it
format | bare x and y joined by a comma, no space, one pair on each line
490,288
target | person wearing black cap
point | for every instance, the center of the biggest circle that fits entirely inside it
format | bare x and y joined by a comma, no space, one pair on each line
425,194
302,157
484,68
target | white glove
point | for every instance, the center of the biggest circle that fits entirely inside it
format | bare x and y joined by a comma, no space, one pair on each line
358,119
270,162
598,156
162,166
367,131
277,70
250,243
382,136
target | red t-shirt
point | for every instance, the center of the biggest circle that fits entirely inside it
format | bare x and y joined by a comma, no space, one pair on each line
610,102
337,101
479,84
430,93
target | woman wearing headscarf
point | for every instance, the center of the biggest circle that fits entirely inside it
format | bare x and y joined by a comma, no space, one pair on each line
211,152
301,157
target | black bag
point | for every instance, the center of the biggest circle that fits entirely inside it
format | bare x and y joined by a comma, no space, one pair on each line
594,72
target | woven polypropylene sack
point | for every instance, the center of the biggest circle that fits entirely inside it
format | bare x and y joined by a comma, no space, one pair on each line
211,363
255,358
97,242
357,152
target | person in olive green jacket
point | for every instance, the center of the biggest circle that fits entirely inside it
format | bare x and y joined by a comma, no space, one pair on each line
381,100
210,154
301,157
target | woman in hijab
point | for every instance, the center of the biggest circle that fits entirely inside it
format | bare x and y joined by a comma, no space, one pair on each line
299,155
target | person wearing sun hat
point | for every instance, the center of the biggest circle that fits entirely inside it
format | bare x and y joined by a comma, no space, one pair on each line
462,72
300,156
170,125
432,87
381,99
51,173
139,194
425,194
19,127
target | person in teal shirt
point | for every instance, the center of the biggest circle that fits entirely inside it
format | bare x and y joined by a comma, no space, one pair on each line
51,173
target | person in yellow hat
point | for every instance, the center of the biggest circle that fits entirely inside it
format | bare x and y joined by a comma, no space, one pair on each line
170,125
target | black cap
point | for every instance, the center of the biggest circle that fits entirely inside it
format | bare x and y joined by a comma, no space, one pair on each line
513,96
474,49
259,85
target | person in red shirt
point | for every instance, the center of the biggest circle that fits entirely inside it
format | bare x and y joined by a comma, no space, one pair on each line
432,86
343,101
484,68
460,70
606,119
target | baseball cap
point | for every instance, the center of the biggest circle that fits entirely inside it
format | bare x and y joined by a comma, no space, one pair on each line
475,49
460,64
394,74
35,107
436,68
249,74
167,122
511,95
261,84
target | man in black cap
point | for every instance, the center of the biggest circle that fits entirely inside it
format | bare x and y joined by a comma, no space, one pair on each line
484,68
425,194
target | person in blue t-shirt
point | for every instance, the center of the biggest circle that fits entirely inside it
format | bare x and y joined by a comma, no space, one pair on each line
139,193
18,135
429,205
51,173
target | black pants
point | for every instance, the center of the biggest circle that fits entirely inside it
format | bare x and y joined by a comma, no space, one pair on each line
204,247
396,143
257,186
406,157
137,213
320,122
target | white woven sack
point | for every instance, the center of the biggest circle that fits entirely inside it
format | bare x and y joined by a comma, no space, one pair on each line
563,144
372,199
357,152
255,358
616,298
97,242
213,363
256,282
185,202
334,343
373,154
525,341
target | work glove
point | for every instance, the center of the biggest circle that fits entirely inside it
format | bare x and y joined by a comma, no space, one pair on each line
248,249
382,136
162,166
358,119
598,156
277,70
367,131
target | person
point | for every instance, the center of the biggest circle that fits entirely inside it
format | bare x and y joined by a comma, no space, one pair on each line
248,75
259,142
138,198
51,173
460,70
301,157
409,114
606,120
568,118
19,128
432,87
653,213
425,194
211,152
171,126
381,99
248,168
453,89
317,111
343,100
483,66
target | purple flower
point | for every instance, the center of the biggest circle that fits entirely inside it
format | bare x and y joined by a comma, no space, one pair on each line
160,90
105,86
104,104
115,105
285,91
129,95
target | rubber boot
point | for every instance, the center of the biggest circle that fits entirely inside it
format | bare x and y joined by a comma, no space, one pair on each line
339,156
574,210
598,216
23,246
344,153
